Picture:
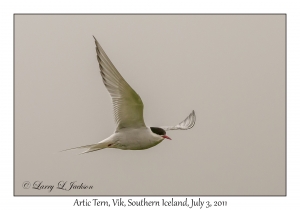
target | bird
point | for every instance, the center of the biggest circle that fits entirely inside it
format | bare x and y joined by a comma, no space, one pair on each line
131,133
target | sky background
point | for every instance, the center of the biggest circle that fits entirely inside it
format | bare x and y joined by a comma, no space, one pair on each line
229,69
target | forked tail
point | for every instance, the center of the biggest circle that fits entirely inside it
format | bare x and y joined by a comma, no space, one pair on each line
91,148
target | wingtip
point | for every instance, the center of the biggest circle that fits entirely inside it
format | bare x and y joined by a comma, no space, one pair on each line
193,113
95,39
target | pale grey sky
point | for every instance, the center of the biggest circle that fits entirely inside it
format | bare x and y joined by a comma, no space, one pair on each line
229,69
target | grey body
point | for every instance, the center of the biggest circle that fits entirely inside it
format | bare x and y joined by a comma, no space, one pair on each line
132,139
131,132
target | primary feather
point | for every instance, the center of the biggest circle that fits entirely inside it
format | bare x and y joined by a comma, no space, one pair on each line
127,104
186,124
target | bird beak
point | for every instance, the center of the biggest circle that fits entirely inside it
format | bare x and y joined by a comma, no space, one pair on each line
166,137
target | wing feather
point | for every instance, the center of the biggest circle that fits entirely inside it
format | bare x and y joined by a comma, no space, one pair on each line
127,104
186,124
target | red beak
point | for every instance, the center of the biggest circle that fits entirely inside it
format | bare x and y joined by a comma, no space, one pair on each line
166,137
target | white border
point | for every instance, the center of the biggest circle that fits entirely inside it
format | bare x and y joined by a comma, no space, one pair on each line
98,6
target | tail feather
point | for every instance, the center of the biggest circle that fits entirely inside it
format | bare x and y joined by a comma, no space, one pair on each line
91,150
81,147
91,147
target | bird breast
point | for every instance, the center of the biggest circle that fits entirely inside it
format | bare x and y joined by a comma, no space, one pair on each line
136,138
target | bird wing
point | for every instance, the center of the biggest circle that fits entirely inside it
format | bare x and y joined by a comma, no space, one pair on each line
186,124
127,104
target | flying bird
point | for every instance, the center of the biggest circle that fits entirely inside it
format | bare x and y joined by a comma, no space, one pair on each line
131,132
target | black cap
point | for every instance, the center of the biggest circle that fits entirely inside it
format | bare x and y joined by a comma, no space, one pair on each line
158,131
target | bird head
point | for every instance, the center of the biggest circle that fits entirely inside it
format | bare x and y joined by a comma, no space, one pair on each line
161,132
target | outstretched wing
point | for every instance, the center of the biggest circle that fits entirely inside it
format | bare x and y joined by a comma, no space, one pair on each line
127,104
186,124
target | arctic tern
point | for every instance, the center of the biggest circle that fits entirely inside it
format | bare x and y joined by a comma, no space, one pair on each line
131,132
